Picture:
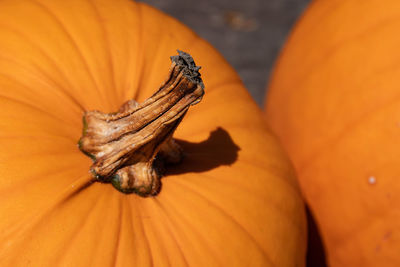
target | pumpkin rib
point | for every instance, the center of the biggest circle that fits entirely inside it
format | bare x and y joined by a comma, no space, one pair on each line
231,184
26,39
107,48
154,233
38,76
41,111
171,232
139,210
118,232
231,218
331,52
234,185
41,138
215,179
347,130
133,234
28,181
176,213
69,244
293,191
39,217
100,202
46,153
142,230
155,68
74,44
58,85
141,47
133,82
259,165
107,239
221,182
204,242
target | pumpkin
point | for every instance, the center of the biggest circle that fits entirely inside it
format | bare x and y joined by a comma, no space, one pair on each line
232,201
333,102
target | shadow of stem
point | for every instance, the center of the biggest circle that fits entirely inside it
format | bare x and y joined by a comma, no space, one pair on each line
219,149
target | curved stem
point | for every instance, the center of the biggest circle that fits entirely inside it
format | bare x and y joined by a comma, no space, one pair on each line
124,145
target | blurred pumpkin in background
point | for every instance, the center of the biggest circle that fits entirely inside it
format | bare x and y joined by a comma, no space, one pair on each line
233,201
333,102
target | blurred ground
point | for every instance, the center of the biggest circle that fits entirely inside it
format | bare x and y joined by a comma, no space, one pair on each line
249,33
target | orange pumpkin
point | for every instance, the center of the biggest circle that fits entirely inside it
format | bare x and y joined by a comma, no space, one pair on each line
333,103
233,201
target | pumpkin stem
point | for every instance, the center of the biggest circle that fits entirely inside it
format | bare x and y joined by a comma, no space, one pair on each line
130,146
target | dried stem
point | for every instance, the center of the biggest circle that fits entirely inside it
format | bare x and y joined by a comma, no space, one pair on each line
125,144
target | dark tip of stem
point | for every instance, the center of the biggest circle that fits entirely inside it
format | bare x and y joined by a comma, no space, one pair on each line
190,70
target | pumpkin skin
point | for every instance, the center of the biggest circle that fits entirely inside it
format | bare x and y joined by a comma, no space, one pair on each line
333,103
59,58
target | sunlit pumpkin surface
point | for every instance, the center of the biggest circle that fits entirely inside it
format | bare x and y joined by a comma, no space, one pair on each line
333,101
232,202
